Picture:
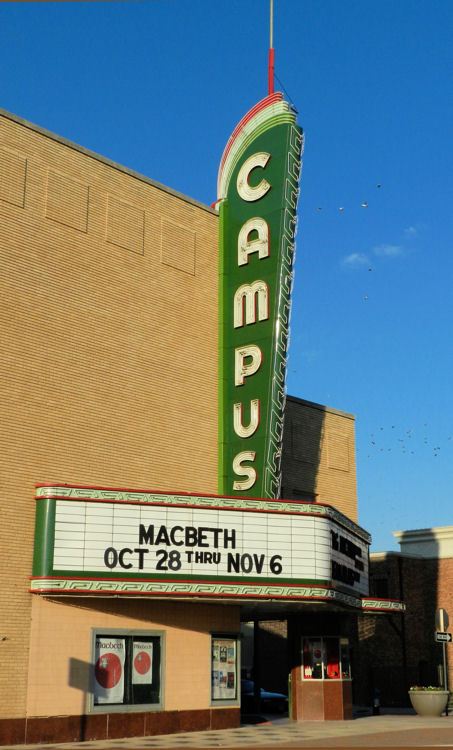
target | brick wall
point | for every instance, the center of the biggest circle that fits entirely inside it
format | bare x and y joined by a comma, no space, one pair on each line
109,356
109,347
62,636
319,456
393,651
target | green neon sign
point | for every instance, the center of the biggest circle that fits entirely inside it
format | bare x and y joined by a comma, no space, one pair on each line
258,190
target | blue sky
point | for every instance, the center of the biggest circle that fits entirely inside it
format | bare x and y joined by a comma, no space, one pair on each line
160,85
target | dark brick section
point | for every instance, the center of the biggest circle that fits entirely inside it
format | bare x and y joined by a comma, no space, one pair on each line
12,731
393,652
54,729
49,729
225,718
126,725
347,700
333,700
164,722
193,721
93,727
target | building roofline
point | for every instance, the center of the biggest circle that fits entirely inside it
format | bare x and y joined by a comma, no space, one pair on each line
321,407
376,556
104,160
423,535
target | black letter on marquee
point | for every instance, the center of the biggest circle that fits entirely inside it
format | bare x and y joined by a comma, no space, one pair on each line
233,562
141,553
111,557
121,557
146,536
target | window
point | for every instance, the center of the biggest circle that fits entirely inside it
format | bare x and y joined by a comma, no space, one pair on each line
224,668
326,659
126,669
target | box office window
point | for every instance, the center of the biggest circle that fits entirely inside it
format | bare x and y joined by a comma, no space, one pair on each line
326,658
126,669
224,668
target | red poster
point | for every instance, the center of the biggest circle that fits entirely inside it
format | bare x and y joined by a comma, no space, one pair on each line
142,663
109,670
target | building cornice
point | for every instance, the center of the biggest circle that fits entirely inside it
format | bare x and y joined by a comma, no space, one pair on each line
104,160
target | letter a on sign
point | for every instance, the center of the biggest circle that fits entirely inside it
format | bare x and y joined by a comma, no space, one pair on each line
257,198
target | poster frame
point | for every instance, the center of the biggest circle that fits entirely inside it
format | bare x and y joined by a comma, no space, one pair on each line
217,702
105,708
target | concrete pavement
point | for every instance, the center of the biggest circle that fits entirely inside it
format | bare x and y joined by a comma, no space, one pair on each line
386,731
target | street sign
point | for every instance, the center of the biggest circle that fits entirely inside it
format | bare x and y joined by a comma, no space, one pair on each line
442,620
443,637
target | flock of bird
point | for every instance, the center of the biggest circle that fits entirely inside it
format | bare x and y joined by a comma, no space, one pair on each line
387,440
341,209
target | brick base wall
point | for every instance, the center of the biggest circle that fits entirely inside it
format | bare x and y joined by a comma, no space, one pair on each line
113,726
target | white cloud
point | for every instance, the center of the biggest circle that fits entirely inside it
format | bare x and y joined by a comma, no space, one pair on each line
388,251
411,231
356,260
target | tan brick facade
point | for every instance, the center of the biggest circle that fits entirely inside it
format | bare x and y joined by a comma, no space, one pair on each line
109,317
102,274
62,636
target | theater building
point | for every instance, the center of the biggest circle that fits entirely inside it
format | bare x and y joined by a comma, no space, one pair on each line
142,515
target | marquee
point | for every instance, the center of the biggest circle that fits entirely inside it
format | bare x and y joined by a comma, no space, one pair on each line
108,541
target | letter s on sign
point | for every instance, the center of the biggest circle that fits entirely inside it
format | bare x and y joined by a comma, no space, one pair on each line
246,191
244,471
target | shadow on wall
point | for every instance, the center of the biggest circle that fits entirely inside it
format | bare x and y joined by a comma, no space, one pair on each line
80,675
303,432
187,615
395,651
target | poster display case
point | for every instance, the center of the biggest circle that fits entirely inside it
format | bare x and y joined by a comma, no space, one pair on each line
126,669
224,668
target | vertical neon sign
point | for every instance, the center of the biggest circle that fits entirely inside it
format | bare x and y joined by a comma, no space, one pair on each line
257,200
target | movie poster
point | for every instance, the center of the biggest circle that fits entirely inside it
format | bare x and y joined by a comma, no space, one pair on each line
142,663
109,670
224,661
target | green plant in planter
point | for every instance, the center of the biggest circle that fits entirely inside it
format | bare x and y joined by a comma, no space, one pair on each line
428,700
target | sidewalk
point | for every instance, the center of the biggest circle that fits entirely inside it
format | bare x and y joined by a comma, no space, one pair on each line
387,731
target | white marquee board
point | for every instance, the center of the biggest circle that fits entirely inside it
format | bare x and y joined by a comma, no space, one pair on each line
155,540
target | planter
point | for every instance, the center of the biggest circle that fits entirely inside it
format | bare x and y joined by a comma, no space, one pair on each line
429,702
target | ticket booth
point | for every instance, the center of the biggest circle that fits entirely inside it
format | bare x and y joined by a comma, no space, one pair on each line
321,677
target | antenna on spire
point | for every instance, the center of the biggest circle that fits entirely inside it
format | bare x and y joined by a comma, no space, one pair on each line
271,58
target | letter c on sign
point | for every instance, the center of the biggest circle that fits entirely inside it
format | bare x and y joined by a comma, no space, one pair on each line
246,191
121,556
